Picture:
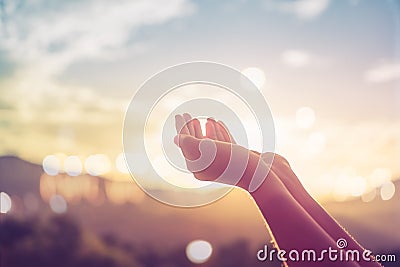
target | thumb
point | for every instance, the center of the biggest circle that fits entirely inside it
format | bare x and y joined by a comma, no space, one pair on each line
189,146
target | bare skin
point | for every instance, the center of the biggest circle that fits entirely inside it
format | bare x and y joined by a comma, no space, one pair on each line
295,219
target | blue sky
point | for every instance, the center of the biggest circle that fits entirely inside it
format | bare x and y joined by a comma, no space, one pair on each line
347,37
69,68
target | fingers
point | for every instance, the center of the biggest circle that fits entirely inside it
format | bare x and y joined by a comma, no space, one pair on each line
180,125
185,124
227,135
193,126
210,129
222,133
197,128
189,124
218,131
176,140
189,145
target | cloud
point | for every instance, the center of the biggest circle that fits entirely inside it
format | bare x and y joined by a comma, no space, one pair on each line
64,33
385,72
296,58
303,9
43,38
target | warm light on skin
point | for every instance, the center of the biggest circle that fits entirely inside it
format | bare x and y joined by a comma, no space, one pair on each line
255,75
198,251
5,202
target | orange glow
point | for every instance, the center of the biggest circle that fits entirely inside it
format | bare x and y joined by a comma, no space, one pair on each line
123,192
73,189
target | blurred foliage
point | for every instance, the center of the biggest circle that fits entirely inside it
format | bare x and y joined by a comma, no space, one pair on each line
59,241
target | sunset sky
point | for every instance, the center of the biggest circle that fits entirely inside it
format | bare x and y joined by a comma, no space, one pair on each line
68,70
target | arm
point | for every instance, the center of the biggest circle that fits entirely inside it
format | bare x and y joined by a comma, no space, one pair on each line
282,170
292,227
296,220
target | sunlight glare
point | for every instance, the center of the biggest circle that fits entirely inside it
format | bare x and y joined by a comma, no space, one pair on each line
379,176
358,185
369,196
255,75
341,188
305,117
295,58
316,143
121,164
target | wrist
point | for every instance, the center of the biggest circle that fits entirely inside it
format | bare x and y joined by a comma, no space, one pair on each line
271,190
256,173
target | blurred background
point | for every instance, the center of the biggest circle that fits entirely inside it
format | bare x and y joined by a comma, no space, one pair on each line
330,71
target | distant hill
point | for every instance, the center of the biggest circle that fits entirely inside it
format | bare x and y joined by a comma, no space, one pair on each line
374,224
18,177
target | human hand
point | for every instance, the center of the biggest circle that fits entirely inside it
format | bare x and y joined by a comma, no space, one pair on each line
279,165
216,156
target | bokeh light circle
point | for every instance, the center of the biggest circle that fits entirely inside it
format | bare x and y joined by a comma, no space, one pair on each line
199,251
51,165
73,166
58,204
5,202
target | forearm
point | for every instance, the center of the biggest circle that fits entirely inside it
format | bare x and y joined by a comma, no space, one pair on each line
319,214
292,227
